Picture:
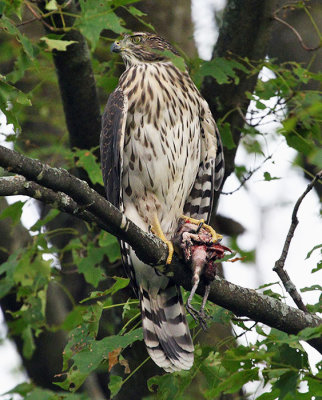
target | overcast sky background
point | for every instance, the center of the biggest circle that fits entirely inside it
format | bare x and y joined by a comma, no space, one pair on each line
263,208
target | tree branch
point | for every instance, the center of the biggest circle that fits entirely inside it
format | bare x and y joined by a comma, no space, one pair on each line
245,178
86,203
279,264
299,37
60,180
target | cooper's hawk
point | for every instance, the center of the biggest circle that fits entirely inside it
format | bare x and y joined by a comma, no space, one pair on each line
161,157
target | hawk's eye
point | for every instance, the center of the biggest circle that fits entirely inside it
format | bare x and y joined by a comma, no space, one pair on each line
136,39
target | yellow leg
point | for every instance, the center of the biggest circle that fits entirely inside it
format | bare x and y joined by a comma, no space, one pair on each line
216,236
157,230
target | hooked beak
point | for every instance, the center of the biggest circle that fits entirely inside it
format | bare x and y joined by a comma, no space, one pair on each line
116,47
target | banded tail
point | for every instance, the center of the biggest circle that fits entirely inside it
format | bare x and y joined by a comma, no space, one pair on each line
165,329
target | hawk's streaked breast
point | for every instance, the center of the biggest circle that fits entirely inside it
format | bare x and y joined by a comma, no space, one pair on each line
161,144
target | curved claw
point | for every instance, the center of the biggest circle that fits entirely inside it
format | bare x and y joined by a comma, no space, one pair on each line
199,316
201,224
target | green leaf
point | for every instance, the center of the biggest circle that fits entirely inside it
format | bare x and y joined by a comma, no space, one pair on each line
310,333
115,384
316,159
9,7
8,268
136,12
235,382
88,265
11,95
13,30
318,267
252,145
73,319
111,245
267,285
226,136
260,105
310,288
28,342
176,60
96,16
315,386
90,354
318,246
51,5
22,389
120,284
44,221
56,44
88,161
14,211
287,384
299,143
268,177
120,3
22,63
168,386
28,271
221,69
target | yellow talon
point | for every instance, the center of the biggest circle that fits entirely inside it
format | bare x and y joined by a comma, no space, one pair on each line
157,230
170,249
215,236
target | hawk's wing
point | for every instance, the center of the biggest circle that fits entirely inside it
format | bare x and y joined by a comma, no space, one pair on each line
111,145
210,173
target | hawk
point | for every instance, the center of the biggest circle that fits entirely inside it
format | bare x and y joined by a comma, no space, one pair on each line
161,157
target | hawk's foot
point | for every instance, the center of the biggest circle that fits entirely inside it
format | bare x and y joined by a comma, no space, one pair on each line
200,317
201,224
170,250
157,231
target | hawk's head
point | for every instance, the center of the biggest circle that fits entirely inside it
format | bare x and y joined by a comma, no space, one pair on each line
143,47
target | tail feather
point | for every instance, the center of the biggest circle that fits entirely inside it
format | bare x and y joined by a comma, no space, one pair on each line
165,328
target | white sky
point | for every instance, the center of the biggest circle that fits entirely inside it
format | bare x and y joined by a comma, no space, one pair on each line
264,208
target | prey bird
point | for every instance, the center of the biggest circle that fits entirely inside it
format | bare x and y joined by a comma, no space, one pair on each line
161,157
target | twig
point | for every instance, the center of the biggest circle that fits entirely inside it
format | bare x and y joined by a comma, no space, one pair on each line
28,21
38,17
279,264
247,177
247,330
41,18
305,47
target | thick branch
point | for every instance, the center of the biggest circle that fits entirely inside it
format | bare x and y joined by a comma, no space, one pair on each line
279,265
60,180
241,301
